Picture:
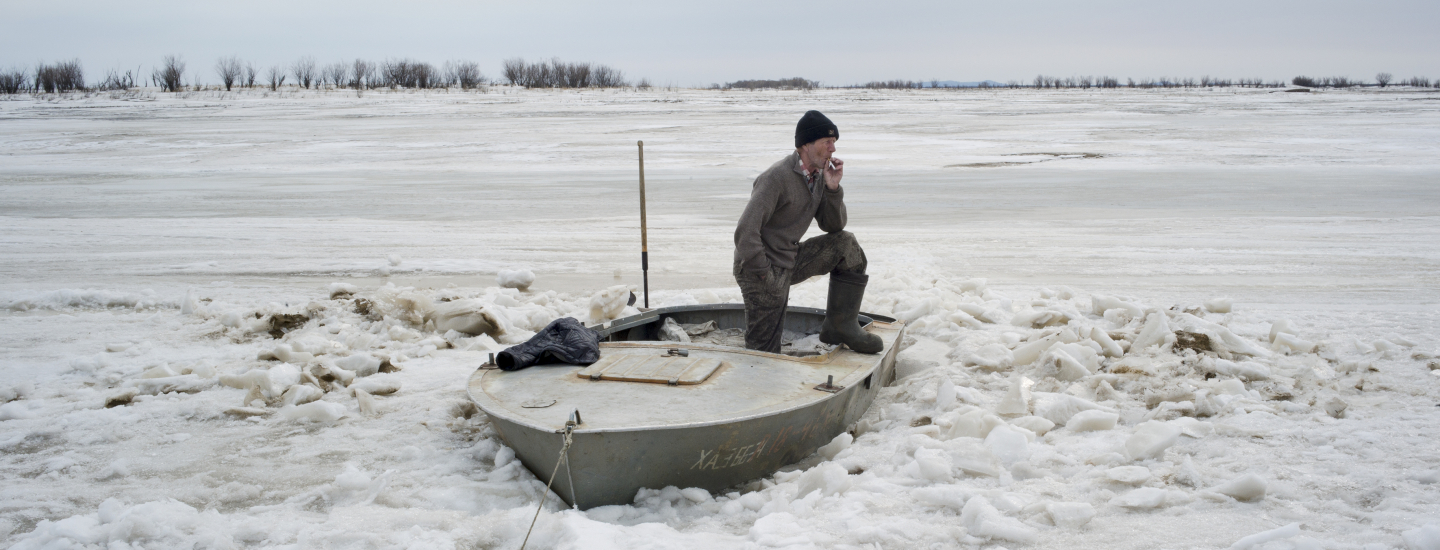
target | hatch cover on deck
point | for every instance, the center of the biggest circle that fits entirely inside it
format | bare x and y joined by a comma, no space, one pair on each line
656,369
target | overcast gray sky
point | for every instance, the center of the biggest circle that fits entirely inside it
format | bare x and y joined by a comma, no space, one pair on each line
697,43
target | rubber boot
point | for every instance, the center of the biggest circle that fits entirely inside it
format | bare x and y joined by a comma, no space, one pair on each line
842,310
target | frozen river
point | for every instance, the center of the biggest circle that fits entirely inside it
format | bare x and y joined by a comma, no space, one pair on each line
1250,193
1319,208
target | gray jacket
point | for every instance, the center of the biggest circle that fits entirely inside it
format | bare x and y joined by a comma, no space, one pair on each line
780,209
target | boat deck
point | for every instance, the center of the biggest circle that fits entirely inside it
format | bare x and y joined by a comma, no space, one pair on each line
747,384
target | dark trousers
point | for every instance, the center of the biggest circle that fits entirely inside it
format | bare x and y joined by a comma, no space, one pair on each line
766,297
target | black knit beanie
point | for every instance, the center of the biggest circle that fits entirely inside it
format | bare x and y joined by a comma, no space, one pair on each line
814,126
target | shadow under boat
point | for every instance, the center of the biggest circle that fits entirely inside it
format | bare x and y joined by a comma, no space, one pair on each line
655,413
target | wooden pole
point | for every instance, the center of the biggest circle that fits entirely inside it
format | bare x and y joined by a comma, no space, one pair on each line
644,246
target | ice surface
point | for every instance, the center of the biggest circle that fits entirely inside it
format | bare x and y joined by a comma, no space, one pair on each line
153,243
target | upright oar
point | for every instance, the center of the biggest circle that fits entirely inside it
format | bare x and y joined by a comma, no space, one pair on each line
644,246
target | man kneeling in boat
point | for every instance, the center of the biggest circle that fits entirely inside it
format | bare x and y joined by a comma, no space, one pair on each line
769,256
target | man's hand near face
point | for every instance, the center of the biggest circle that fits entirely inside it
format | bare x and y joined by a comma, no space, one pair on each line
833,175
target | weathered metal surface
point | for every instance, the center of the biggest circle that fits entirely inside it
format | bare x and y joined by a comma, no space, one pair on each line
756,414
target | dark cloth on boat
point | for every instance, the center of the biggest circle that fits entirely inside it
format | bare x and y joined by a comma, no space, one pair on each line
564,340
781,207
766,297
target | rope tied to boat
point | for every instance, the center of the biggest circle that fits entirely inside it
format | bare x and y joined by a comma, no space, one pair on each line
564,456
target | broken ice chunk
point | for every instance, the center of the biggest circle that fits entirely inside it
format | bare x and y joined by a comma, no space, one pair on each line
944,394
1039,426
1091,421
609,303
1129,475
300,394
122,398
1279,533
1100,304
1279,326
991,356
1151,439
1335,407
1009,444
376,386
1017,399
840,443
246,412
1143,498
469,316
1058,407
1067,368
520,279
976,423
964,319
1028,352
916,311
1107,344
828,478
341,290
362,364
1290,342
932,465
319,411
981,519
1218,305
1245,488
1070,515
365,402
1244,370
1156,332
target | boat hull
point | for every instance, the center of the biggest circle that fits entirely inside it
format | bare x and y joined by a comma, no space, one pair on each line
609,466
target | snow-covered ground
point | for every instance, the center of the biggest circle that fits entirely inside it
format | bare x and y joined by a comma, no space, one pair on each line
1046,247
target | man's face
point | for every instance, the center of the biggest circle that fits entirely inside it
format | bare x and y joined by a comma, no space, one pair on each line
817,153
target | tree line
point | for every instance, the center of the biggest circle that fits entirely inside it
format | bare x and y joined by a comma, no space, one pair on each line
173,73
796,83
1086,82
559,74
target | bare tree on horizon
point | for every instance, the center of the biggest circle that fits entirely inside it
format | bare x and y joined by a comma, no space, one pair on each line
304,71
14,80
169,75
229,68
276,75
512,70
336,74
465,74
360,72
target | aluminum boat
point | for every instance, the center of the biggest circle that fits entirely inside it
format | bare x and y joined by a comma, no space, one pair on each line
654,412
